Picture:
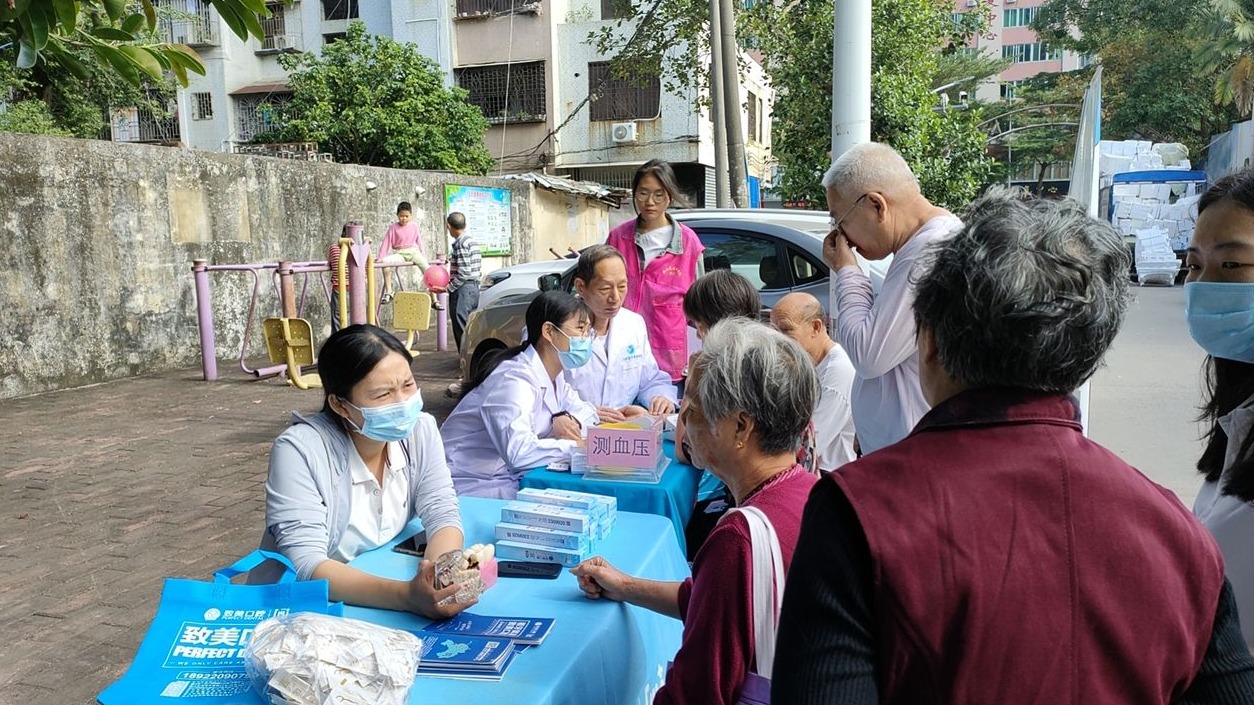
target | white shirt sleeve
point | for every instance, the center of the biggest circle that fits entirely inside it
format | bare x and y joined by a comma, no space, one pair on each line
508,412
433,498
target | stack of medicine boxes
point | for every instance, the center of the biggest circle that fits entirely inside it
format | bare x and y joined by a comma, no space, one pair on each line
554,526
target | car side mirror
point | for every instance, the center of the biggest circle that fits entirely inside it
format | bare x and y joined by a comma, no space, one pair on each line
550,282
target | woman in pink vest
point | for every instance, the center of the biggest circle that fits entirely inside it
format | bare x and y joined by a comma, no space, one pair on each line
663,259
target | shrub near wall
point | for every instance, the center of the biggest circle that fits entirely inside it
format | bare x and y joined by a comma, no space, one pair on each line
97,241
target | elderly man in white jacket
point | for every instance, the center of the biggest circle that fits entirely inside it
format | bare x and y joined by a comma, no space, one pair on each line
622,379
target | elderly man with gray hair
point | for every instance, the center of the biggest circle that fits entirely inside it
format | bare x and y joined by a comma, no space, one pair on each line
996,555
878,209
751,392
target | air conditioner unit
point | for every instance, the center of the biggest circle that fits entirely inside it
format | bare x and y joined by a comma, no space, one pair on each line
623,132
281,42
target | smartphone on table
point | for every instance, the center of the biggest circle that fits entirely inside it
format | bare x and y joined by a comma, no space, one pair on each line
526,569
415,545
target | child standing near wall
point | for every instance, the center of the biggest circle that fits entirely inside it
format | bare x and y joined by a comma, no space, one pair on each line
333,261
402,243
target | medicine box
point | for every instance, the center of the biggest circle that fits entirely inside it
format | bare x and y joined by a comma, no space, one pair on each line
542,537
512,551
549,516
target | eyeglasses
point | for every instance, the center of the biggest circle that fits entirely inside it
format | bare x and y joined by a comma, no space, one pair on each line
838,225
655,197
590,336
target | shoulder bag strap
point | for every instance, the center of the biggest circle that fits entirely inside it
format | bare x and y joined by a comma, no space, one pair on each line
768,585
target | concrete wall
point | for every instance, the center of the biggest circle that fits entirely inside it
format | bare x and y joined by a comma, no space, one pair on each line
97,241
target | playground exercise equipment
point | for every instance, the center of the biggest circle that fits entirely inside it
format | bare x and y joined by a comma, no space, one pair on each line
364,309
290,342
411,312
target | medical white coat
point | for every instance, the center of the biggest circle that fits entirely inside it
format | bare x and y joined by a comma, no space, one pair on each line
499,431
624,371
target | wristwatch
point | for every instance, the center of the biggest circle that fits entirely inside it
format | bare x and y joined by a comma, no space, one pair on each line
566,413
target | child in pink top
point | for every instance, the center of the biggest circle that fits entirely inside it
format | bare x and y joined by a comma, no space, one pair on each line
402,243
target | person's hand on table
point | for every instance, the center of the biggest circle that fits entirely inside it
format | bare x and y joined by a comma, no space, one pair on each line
632,410
837,253
566,427
661,406
423,598
609,414
597,579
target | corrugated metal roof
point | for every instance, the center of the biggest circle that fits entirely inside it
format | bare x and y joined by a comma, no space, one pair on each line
610,196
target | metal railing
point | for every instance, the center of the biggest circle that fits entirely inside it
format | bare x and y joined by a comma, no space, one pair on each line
192,22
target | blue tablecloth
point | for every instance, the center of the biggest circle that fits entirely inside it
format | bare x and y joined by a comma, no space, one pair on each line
598,651
673,496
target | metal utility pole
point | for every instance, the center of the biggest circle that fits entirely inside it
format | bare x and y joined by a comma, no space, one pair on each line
851,75
731,103
721,189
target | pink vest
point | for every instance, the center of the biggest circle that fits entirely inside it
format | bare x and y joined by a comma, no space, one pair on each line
656,292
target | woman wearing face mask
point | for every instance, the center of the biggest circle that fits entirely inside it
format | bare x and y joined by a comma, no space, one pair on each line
622,379
348,479
517,411
1219,299
663,259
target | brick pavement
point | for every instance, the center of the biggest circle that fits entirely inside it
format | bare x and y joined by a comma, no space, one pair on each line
106,490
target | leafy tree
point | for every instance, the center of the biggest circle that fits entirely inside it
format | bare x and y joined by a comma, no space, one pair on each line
1226,54
75,34
371,100
1040,122
1146,48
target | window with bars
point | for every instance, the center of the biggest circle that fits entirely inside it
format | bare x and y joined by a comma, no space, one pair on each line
339,9
334,37
614,9
1018,16
751,111
636,98
258,114
1030,52
202,106
483,8
506,92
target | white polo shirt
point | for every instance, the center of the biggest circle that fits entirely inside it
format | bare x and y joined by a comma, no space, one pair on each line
376,514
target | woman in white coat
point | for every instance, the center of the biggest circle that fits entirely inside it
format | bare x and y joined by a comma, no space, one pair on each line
622,379
517,411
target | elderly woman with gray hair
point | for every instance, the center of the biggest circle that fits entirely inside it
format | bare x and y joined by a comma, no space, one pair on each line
996,555
751,393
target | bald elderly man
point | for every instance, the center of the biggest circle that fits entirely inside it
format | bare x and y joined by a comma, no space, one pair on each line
878,209
800,317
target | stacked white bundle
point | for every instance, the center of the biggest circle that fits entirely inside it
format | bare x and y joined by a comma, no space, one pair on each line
554,526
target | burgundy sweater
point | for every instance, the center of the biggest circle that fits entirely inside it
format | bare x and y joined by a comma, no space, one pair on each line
716,603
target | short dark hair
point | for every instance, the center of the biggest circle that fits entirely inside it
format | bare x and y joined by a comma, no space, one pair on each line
719,295
662,171
404,206
456,221
349,355
1238,188
586,267
1029,294
554,307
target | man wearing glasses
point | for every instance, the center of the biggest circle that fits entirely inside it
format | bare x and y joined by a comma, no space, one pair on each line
878,209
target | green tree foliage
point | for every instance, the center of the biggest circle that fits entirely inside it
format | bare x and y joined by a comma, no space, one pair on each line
120,35
1039,123
1226,53
945,148
1146,48
371,100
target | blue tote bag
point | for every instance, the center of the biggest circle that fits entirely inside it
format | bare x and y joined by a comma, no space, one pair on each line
193,653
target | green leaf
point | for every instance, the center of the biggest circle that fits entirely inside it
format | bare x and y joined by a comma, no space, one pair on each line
8,14
27,55
132,24
150,14
180,73
115,58
233,19
112,34
37,25
143,58
115,9
67,14
75,66
180,55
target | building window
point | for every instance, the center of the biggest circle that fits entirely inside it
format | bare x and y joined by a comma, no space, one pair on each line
751,115
506,92
258,114
1030,52
485,8
636,98
189,22
202,106
339,9
145,124
275,31
614,9
1009,88
1018,16
328,39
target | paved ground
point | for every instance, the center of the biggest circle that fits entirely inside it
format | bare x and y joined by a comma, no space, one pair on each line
106,490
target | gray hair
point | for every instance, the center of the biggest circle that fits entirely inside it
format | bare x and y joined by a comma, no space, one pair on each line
870,166
1029,294
750,367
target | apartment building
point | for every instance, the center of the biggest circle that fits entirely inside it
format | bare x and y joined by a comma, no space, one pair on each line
552,103
1010,36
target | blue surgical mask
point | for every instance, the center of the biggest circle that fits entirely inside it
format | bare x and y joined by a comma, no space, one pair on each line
579,354
1221,318
392,422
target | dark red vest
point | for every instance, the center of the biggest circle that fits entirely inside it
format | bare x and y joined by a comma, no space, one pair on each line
1015,561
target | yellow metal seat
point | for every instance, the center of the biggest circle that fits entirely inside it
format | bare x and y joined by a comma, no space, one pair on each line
411,312
290,341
